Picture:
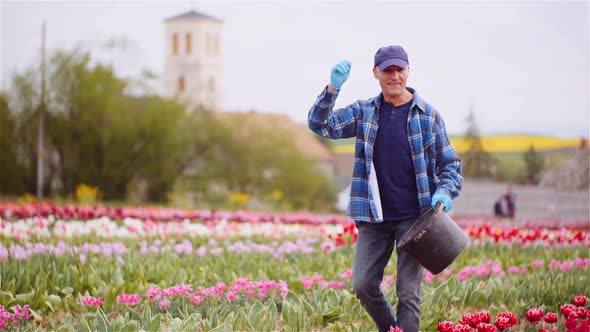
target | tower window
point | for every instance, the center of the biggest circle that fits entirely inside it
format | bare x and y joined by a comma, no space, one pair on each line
175,43
188,43
181,84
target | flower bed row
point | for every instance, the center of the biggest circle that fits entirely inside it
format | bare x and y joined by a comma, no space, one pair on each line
9,210
136,228
506,235
575,317
13,211
277,250
340,235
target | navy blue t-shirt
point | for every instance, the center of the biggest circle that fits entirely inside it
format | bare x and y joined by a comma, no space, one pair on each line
393,164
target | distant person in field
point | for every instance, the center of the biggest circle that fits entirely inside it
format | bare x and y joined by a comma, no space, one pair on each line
404,165
505,205
499,207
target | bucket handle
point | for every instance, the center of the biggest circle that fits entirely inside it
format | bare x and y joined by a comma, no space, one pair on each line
439,208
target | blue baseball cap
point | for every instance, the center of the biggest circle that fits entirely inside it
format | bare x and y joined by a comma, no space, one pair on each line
392,55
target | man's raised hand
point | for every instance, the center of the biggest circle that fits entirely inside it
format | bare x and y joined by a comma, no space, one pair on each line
340,74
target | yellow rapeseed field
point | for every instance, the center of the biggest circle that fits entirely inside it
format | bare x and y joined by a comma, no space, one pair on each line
515,143
499,144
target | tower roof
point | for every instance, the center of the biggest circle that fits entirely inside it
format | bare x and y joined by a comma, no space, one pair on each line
191,15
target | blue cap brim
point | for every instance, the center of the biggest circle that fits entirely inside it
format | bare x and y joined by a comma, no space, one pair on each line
393,62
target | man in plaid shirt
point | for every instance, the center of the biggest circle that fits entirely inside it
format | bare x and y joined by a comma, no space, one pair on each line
404,165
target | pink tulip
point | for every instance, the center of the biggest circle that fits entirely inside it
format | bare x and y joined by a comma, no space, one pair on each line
22,312
196,299
164,304
129,299
346,275
513,270
91,301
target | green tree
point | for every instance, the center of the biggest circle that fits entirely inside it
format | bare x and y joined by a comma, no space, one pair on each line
174,140
258,159
99,135
11,175
476,161
24,104
534,163
80,126
303,184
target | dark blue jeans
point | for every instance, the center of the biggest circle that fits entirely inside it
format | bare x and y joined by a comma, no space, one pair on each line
374,247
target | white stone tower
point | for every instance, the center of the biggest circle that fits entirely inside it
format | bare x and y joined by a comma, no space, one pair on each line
194,70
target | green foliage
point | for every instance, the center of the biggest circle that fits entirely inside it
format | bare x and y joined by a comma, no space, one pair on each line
259,160
511,167
11,174
534,162
476,162
53,285
106,138
23,105
140,146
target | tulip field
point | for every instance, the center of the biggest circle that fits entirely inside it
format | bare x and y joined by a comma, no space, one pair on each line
87,268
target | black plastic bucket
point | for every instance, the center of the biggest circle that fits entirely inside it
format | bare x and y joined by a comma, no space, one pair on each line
434,240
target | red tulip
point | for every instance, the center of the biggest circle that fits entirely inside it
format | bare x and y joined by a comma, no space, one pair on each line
445,326
568,309
462,328
550,317
571,323
473,320
505,320
485,317
579,300
485,327
583,312
534,315
470,319
395,329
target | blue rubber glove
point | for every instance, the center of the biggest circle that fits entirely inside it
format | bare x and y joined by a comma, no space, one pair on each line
444,199
340,74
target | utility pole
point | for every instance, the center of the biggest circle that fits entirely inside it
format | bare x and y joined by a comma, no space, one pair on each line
41,134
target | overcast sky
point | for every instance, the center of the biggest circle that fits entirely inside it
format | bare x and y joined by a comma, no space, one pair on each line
522,66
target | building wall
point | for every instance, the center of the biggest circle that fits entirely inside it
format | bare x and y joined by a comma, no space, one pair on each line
201,67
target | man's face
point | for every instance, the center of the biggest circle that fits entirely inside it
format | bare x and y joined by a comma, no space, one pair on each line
392,80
